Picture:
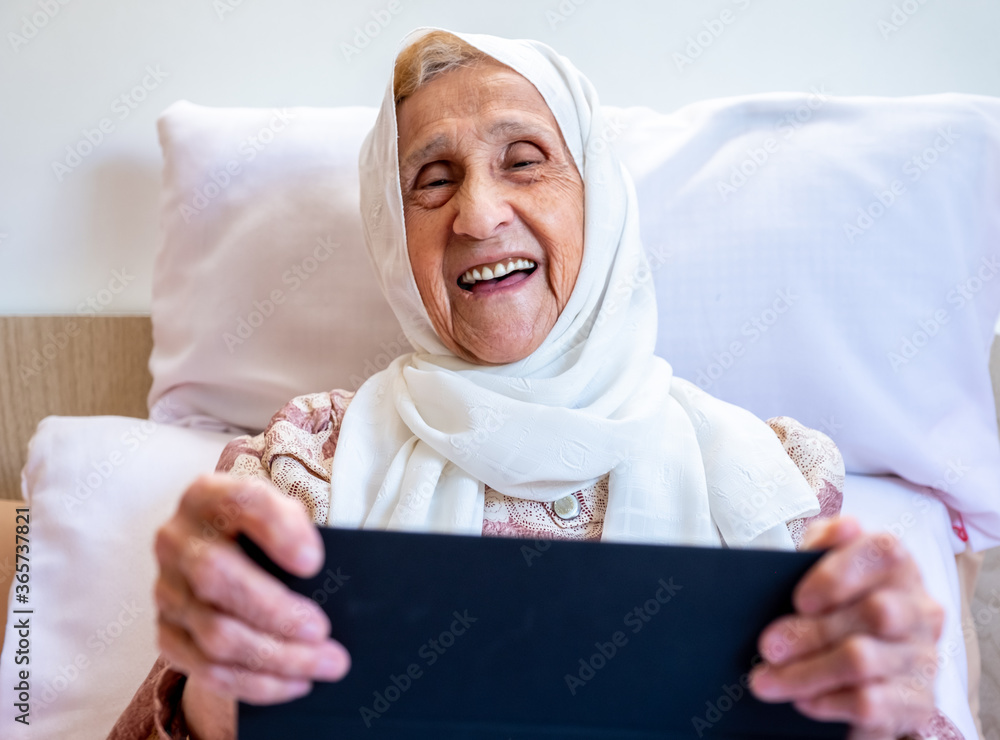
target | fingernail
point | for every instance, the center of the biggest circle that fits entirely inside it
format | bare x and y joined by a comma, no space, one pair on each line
332,667
308,558
763,686
312,630
808,603
773,649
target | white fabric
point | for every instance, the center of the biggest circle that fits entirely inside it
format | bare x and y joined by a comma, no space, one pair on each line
770,298
422,437
920,521
262,289
718,264
98,488
85,565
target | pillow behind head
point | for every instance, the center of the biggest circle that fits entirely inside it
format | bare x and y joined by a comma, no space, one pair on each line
262,289
836,260
829,259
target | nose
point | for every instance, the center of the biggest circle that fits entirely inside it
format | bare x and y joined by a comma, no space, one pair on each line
482,205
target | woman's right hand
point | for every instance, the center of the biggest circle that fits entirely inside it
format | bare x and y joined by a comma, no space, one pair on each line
234,629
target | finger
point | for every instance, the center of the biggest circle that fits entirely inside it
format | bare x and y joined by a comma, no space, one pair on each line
224,576
228,641
221,570
278,524
875,710
826,533
890,614
254,687
857,659
846,573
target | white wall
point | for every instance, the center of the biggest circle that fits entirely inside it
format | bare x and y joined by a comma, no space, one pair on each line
61,240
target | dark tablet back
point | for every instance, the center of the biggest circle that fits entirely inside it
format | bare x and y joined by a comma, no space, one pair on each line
468,637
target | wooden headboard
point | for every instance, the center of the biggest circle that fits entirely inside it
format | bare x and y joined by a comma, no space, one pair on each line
66,366
73,366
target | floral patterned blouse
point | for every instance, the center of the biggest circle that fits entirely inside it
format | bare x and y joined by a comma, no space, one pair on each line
295,452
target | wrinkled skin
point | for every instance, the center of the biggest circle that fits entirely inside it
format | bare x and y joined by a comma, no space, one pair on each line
480,195
864,626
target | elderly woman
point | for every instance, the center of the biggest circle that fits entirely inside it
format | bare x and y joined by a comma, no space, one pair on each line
507,243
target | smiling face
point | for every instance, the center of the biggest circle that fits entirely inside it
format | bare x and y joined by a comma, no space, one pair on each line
493,208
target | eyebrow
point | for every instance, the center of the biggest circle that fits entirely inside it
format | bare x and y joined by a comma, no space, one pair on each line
506,127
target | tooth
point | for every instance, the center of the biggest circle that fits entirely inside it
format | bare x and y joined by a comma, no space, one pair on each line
467,277
487,273
499,270
520,265
510,266
476,275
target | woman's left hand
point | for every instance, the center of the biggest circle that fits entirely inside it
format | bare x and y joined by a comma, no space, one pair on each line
861,647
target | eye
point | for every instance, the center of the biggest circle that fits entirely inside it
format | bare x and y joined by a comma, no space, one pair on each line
523,154
433,175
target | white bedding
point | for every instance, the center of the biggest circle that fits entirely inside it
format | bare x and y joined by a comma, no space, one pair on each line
922,523
93,625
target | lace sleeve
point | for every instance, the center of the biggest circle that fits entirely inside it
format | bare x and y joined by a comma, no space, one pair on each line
295,451
819,460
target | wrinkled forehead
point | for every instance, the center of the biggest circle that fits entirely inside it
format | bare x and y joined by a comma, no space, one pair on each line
497,100
523,59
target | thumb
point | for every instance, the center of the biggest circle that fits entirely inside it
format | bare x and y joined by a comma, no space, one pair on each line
826,533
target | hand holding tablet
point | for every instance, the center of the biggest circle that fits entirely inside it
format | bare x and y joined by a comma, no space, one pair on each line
455,636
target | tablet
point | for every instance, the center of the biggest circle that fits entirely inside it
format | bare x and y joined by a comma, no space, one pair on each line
502,638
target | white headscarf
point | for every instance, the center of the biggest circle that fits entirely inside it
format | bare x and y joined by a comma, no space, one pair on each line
422,437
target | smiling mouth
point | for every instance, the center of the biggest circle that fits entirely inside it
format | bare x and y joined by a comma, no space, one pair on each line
485,278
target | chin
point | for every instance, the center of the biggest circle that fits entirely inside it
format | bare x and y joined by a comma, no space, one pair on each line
503,351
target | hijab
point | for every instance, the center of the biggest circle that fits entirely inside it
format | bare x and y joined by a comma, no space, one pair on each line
422,438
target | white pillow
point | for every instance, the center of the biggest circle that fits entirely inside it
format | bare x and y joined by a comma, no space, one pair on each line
728,249
837,260
98,488
262,288
920,521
